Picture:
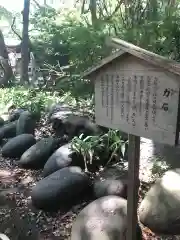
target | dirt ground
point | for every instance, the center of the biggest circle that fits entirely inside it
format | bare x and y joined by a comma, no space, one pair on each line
19,220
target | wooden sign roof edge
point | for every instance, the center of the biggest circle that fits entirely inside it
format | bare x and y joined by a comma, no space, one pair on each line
126,47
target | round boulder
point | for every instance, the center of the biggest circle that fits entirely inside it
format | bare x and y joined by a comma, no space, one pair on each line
57,121
37,155
62,157
15,114
54,108
105,219
61,189
1,121
57,112
16,146
159,210
26,123
8,130
116,172
110,187
76,125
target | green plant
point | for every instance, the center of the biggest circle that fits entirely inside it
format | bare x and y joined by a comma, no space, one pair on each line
38,101
69,38
91,148
116,145
86,147
64,44
26,98
159,167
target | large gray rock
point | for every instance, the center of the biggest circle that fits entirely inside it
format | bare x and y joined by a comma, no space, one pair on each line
62,157
16,146
76,125
2,122
66,122
8,130
112,180
37,155
104,219
63,188
160,209
26,123
55,108
57,122
15,114
110,187
116,172
57,113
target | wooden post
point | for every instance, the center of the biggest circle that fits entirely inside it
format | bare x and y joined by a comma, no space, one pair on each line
133,185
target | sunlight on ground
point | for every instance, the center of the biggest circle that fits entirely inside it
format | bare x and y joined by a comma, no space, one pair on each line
146,158
4,173
147,149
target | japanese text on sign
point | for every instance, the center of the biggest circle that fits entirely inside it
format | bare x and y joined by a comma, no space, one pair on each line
144,105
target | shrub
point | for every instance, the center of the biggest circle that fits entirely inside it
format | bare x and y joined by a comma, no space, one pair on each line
38,101
107,147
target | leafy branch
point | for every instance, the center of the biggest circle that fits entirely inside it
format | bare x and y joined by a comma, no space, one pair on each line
111,143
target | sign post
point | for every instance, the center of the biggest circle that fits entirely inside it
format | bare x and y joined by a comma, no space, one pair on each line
133,186
137,92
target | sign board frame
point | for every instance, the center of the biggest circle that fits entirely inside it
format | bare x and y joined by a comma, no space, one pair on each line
149,109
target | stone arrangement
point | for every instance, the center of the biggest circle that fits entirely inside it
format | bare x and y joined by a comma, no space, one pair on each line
64,182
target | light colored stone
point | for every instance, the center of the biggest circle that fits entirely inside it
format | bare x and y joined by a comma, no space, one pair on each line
160,209
103,219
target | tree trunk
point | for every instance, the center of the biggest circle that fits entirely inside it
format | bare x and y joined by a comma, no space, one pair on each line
8,74
25,43
93,10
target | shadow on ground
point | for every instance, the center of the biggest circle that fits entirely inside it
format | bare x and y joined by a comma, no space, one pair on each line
168,154
14,223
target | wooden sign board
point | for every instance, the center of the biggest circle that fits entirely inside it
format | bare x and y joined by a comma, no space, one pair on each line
137,91
138,98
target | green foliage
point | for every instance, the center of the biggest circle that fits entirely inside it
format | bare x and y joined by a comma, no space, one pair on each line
152,24
78,87
159,167
86,147
100,149
4,13
115,144
38,101
60,38
73,37
26,98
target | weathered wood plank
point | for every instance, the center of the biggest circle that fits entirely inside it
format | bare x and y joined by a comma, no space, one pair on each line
139,99
133,186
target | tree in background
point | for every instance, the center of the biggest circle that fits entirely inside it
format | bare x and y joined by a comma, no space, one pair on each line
76,37
4,61
25,43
